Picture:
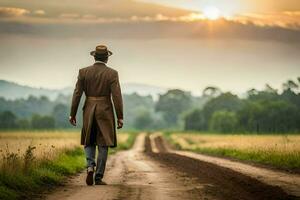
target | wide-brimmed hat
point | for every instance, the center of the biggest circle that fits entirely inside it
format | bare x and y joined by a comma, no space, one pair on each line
101,51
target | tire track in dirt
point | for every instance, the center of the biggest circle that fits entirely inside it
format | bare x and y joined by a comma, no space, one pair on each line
220,181
289,182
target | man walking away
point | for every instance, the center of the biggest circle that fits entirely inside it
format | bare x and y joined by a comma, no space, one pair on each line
101,86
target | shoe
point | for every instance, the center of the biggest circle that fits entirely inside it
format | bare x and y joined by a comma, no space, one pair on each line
100,182
90,176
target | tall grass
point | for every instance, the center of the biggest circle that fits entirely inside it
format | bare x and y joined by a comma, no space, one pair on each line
46,143
23,176
33,161
282,151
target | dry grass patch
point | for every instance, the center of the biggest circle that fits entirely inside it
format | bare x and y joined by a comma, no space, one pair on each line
277,150
46,144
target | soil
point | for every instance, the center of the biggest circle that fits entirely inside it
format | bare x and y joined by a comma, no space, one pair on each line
220,181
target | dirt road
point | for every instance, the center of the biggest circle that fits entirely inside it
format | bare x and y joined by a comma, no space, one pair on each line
151,171
132,175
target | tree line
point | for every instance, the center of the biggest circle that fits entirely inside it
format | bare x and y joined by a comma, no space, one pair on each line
34,113
264,111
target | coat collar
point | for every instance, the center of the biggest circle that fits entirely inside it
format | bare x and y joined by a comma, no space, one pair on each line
100,62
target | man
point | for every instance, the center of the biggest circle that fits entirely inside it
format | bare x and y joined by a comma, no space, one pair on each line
102,89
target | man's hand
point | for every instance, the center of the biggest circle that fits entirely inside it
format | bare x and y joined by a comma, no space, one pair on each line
120,123
72,120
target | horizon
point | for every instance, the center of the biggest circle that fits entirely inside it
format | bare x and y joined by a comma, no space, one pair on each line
279,89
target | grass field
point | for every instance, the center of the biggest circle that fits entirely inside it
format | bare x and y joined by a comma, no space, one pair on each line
34,160
281,151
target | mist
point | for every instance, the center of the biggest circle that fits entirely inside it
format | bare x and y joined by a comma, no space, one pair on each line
190,64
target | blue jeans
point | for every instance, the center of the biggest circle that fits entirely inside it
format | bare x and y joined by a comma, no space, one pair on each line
90,152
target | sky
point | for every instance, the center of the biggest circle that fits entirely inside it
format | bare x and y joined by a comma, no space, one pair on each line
187,44
237,6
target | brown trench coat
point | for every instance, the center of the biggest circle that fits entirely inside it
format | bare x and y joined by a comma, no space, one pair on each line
101,82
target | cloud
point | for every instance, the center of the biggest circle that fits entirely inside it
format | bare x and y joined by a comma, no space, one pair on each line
128,11
135,20
69,15
201,29
100,9
287,19
39,12
89,17
12,12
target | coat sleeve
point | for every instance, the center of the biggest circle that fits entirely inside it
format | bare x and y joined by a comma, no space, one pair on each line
77,95
117,95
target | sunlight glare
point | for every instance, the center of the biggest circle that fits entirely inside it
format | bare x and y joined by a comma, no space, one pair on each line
211,12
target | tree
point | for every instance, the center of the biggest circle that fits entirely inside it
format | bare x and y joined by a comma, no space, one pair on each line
291,97
195,121
42,122
290,85
61,114
143,121
268,93
172,104
211,92
23,124
249,116
8,120
224,102
134,104
25,108
270,89
279,116
269,116
223,121
252,92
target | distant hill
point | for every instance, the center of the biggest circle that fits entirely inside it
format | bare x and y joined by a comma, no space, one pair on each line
11,90
142,89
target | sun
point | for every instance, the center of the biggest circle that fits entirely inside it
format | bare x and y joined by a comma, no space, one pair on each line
211,12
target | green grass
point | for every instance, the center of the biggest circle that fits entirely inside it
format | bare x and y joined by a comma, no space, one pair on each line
17,183
284,161
125,146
